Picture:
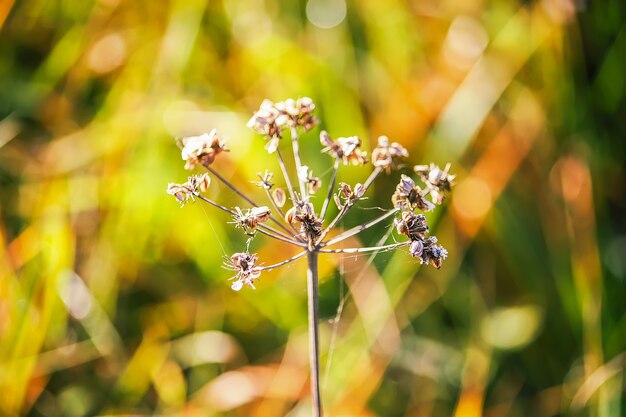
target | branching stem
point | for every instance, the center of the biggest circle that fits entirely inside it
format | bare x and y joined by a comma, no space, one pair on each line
293,258
242,195
358,229
365,250
331,187
296,157
283,168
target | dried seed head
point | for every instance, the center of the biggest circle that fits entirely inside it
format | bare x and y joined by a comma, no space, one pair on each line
249,220
388,155
303,215
348,196
438,181
431,253
187,190
297,113
264,121
346,149
201,149
272,118
410,196
412,225
244,265
266,180
279,197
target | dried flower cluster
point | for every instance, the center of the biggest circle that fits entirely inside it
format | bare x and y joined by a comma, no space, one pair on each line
201,149
246,270
346,149
301,225
272,118
188,190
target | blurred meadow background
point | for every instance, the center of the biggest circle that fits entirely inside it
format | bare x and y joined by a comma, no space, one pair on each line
113,300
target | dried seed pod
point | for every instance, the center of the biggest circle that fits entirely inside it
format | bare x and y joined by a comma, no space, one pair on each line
279,196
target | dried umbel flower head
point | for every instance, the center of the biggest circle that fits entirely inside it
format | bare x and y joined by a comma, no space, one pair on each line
187,190
249,220
298,112
303,216
412,225
201,149
272,118
438,181
264,121
346,196
244,265
346,149
388,155
428,251
410,196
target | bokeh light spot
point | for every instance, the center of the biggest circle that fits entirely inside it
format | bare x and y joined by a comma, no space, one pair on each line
472,198
326,14
511,328
107,54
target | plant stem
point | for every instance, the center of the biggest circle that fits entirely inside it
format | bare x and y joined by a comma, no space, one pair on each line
313,313
280,211
296,157
331,186
283,168
263,229
358,229
372,177
242,195
293,258
364,250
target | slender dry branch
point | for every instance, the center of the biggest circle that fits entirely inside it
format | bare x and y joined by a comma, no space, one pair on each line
331,186
293,258
282,214
365,250
267,231
242,195
296,157
283,168
263,229
372,177
358,229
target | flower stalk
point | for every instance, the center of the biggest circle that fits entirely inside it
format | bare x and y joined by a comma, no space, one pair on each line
300,225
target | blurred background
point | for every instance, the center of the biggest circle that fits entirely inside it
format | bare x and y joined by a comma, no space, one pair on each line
113,300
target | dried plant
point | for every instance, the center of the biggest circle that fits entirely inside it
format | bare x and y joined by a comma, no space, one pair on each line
303,226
